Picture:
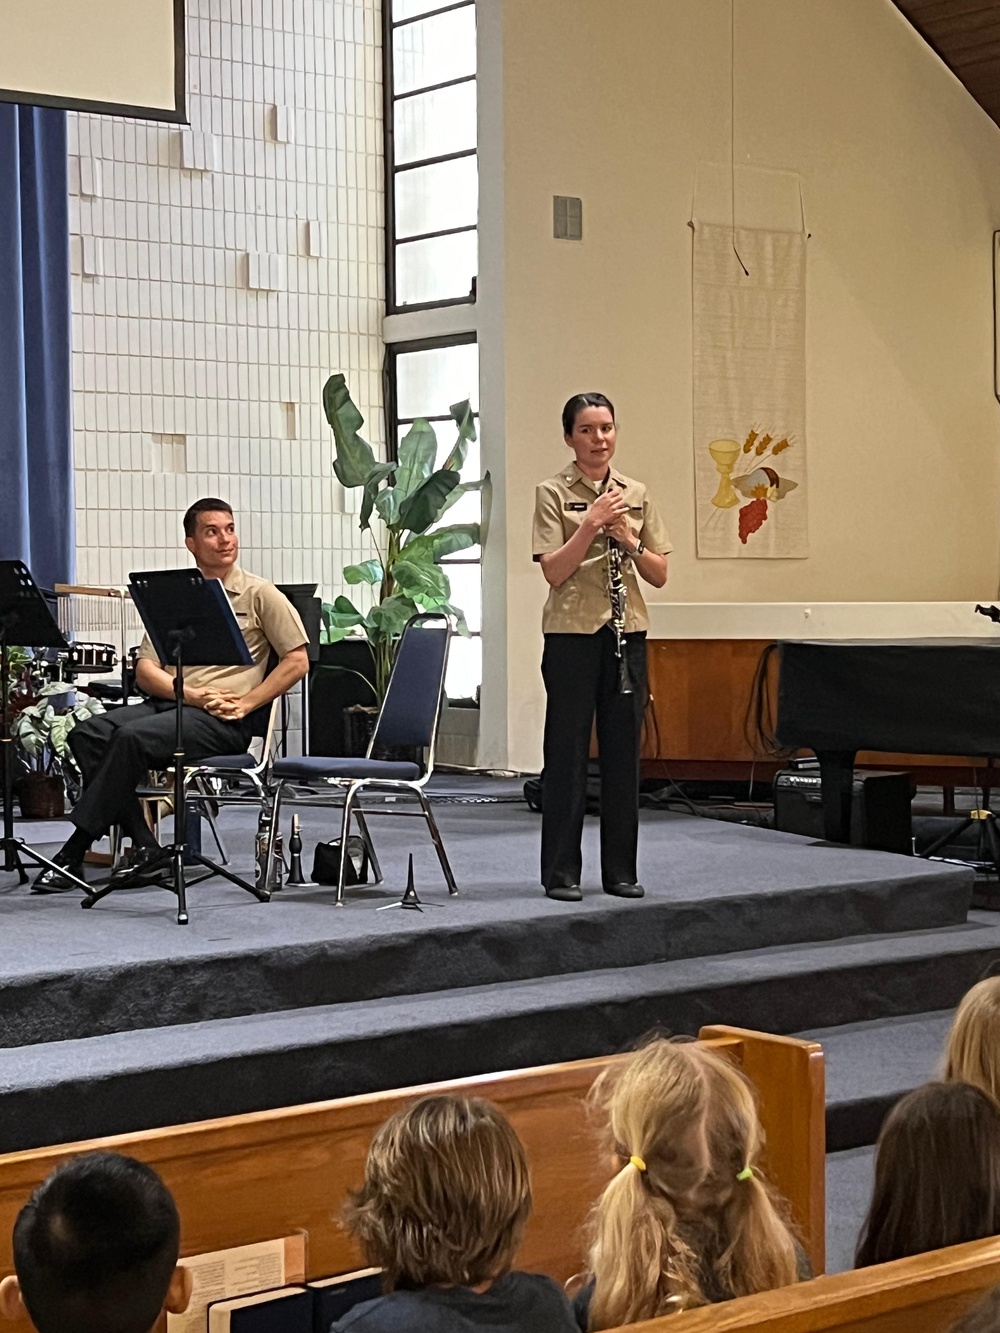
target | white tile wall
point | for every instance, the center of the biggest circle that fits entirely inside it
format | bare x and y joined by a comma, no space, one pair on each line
186,381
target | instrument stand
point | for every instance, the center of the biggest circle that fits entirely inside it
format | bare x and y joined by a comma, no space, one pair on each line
987,858
409,901
23,611
174,622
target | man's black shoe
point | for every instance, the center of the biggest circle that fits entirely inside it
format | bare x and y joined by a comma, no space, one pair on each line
564,893
54,881
624,890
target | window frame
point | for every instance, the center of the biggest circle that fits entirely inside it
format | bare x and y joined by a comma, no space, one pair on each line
393,421
392,170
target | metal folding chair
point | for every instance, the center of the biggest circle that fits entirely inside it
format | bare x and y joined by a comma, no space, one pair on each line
408,720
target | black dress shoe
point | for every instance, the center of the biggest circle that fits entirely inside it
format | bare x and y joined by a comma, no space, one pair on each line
54,881
624,890
564,893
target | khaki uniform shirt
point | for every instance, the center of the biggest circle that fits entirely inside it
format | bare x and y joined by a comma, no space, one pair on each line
267,620
582,605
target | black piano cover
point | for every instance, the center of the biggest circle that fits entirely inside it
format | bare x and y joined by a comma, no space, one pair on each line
915,696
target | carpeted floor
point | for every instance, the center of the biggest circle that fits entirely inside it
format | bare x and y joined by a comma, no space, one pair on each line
117,1019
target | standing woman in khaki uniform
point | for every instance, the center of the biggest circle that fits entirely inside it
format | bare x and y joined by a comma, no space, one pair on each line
590,521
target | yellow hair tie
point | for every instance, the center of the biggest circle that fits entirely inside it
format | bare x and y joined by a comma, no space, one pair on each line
638,1163
745,1174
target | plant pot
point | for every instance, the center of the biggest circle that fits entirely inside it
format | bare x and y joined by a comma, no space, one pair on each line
359,725
42,796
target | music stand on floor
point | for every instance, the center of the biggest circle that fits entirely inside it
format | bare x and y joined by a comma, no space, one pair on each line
25,618
190,623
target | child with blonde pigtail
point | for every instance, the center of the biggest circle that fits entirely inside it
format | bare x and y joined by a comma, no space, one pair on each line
688,1219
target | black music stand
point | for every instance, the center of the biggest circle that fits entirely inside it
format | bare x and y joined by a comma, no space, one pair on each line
190,623
25,617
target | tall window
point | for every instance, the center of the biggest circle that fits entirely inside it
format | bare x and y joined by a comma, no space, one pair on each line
432,257
431,165
427,375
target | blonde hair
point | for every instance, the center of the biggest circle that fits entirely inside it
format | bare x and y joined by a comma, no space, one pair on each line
973,1053
446,1195
648,1255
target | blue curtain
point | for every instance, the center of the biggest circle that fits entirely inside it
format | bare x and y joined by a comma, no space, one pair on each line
36,442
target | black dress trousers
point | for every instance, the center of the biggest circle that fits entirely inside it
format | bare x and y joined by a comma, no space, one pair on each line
116,750
580,672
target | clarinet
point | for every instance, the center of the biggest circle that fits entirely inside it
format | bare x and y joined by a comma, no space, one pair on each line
618,596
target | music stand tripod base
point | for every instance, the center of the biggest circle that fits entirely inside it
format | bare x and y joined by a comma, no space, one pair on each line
987,842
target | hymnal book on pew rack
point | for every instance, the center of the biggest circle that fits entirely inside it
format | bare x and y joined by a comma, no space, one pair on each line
334,1296
244,1270
289,1310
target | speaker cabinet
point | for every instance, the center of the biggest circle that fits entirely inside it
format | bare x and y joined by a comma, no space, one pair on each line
880,808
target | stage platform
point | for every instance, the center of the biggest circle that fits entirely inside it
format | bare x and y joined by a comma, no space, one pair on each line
117,1019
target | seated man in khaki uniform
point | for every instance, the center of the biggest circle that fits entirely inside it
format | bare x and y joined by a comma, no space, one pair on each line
116,749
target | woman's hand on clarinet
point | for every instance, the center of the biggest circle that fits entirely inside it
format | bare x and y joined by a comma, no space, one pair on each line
621,531
606,510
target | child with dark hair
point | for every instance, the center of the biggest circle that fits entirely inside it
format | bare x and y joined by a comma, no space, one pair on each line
95,1250
937,1174
442,1209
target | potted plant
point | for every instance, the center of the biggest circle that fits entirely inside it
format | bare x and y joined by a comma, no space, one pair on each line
41,731
402,507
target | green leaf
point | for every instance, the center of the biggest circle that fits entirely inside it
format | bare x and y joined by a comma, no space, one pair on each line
461,624
428,502
370,571
423,581
390,616
340,617
387,502
379,473
355,460
417,451
461,414
441,542
484,484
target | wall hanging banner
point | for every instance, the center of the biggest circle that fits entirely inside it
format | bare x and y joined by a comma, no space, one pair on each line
749,359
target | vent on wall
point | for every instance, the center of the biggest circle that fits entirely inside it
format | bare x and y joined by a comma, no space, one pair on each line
168,454
567,218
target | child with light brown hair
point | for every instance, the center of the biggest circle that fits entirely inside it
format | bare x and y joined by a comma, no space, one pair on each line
688,1219
973,1051
442,1210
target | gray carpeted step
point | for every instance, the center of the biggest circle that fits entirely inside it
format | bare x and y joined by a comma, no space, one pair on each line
141,1079
870,1065
712,888
849,1178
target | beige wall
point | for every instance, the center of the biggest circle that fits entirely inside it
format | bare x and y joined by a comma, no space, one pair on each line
900,172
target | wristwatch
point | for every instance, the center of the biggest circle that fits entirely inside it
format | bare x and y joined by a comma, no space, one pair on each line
639,549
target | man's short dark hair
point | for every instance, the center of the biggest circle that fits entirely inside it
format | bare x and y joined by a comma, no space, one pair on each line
210,505
95,1247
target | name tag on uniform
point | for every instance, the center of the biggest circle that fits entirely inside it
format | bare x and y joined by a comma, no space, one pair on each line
577,506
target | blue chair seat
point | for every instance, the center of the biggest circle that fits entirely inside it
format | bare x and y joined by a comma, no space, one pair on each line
313,766
232,761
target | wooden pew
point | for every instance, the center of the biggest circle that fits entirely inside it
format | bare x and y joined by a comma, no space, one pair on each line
923,1294
250,1177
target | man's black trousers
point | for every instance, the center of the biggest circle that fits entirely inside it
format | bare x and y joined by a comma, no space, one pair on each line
116,750
581,677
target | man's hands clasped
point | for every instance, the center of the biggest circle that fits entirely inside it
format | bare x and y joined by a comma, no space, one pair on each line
223,704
